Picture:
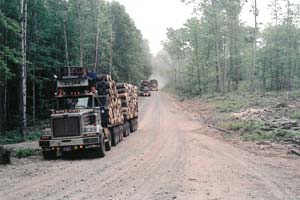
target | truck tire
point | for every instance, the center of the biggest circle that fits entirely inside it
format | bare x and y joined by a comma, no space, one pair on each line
126,130
121,132
117,131
114,137
108,143
131,125
49,155
136,124
101,150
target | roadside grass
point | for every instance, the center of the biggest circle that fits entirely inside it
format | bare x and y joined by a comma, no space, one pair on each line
258,131
295,115
283,105
12,137
27,152
33,133
278,134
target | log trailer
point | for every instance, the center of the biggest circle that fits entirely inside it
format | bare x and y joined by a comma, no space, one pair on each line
89,116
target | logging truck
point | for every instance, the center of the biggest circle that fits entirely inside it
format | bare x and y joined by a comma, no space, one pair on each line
154,85
145,88
89,116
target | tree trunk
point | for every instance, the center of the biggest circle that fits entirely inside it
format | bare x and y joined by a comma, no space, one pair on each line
218,67
66,45
198,64
254,49
33,70
80,24
111,50
23,82
97,37
66,39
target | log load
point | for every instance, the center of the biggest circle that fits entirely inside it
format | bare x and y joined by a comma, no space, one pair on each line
109,99
128,94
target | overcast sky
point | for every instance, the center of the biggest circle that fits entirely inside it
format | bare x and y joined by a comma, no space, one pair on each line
153,17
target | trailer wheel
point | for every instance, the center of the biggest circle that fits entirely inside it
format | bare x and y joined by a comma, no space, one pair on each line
108,143
131,126
136,124
121,132
114,138
125,130
117,131
49,155
128,128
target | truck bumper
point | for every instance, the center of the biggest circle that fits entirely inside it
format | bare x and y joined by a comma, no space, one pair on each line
69,144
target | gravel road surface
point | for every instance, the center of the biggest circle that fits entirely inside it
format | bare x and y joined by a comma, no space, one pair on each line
169,157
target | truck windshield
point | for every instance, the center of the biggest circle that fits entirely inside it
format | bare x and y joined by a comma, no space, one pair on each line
74,102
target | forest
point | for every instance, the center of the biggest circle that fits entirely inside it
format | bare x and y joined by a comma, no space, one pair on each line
37,37
216,52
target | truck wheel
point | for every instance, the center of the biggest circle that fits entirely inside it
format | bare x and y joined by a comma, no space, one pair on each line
121,132
136,123
131,126
117,134
128,128
49,155
114,138
125,130
108,143
101,151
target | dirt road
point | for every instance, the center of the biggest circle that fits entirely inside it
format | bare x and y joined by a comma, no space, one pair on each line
169,157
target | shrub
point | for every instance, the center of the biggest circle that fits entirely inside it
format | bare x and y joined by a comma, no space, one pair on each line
24,153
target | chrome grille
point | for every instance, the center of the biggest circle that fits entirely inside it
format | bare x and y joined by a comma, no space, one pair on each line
65,127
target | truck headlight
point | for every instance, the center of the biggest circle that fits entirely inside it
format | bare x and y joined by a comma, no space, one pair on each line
91,129
46,134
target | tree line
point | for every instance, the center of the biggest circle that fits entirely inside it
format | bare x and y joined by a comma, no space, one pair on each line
37,37
215,52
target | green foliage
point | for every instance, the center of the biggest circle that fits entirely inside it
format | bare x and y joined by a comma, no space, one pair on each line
252,130
119,39
295,115
259,135
24,153
214,52
12,137
234,125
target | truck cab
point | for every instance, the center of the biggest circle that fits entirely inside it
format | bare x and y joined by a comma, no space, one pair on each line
154,85
145,88
145,91
76,121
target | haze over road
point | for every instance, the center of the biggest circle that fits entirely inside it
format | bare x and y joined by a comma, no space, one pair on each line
169,157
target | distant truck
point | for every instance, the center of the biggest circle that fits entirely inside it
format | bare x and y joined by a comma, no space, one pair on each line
89,115
145,88
154,85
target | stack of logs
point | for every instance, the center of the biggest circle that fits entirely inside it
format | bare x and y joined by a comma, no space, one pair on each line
128,95
108,93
